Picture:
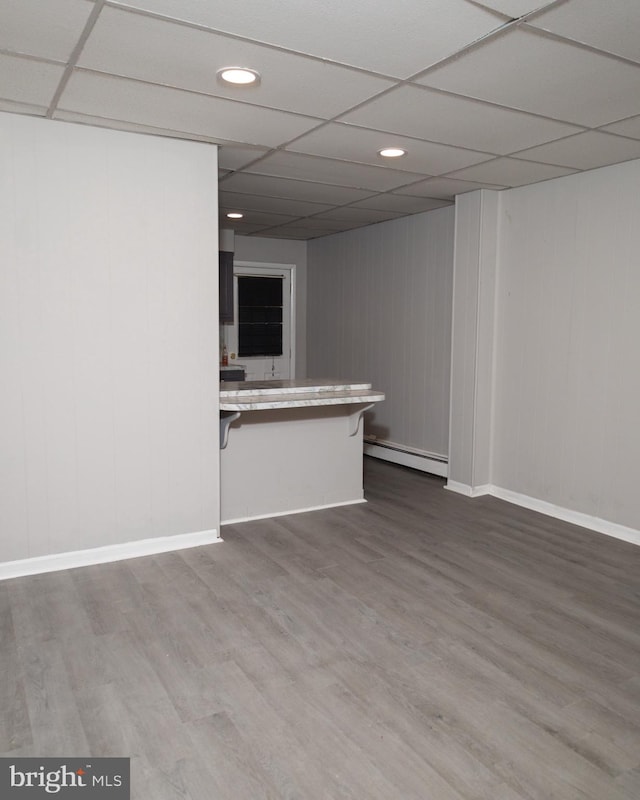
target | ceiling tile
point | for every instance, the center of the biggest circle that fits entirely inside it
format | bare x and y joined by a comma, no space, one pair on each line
162,52
46,29
339,173
513,8
365,216
236,156
463,133
319,224
401,203
585,151
627,127
329,225
242,228
276,205
545,76
29,82
173,109
134,127
416,35
446,188
428,114
511,172
255,217
596,23
295,190
337,140
13,107
289,232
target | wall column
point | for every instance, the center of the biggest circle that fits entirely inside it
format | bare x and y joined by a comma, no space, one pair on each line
472,345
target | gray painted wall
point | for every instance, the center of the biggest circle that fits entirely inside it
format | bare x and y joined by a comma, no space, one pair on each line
380,310
567,383
108,340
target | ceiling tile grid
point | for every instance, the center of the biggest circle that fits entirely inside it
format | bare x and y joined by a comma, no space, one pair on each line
526,70
458,121
609,26
629,127
361,145
585,151
512,8
401,203
43,29
338,173
446,188
368,34
511,172
480,94
159,52
30,82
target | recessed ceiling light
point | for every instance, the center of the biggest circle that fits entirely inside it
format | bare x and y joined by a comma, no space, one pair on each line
392,152
239,76
235,215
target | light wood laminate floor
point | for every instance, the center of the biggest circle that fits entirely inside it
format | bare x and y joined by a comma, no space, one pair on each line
423,645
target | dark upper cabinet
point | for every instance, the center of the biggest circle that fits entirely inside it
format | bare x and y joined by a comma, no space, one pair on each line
225,268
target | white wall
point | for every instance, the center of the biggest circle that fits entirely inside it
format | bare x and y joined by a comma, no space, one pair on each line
108,339
380,310
283,251
567,383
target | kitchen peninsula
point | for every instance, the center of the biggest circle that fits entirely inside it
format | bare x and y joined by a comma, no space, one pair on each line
289,446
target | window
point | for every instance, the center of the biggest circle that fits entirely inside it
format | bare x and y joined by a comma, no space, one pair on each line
259,316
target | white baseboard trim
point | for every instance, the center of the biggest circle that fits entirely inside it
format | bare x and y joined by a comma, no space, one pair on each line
293,511
103,555
541,506
567,515
407,459
468,491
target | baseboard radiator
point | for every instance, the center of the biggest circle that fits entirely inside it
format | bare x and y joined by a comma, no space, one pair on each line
433,463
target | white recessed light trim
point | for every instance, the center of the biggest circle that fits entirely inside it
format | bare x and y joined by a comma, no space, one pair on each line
392,152
239,76
235,215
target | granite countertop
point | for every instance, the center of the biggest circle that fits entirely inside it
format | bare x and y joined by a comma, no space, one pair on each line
260,395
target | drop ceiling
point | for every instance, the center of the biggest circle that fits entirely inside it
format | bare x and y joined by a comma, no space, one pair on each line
480,93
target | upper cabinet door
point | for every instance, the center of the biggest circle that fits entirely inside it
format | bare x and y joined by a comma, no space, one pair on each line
225,266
